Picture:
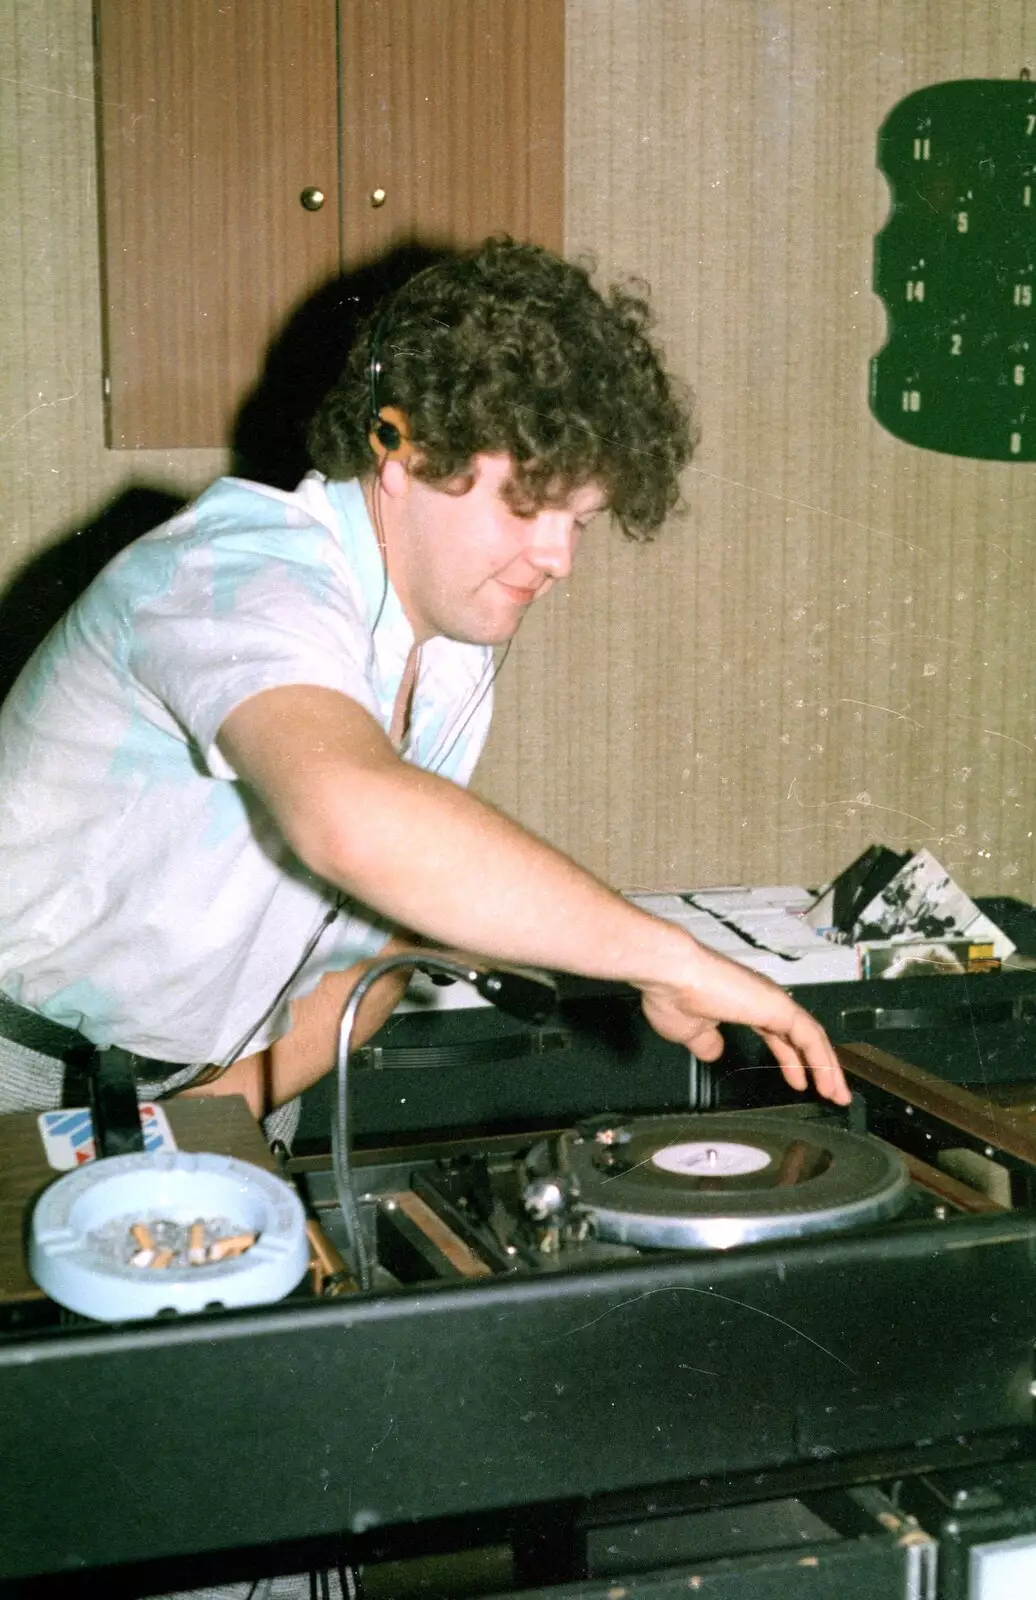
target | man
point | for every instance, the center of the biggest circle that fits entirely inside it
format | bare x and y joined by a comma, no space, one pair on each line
237,767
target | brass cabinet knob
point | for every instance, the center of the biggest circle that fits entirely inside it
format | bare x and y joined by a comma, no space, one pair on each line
312,199
378,198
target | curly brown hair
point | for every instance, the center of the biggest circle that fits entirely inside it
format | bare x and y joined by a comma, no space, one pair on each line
511,350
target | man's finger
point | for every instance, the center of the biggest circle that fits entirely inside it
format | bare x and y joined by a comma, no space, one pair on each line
705,1040
787,1058
818,1055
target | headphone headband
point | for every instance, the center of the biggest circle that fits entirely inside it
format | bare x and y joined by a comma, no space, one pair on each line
389,431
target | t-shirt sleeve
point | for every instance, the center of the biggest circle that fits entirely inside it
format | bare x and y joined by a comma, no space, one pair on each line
235,621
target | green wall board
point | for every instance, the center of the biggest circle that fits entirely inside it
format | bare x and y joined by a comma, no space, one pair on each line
956,267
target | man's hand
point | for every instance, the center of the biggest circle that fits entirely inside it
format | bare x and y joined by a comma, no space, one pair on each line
688,1014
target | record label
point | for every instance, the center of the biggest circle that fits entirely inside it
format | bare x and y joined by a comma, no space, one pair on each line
701,1158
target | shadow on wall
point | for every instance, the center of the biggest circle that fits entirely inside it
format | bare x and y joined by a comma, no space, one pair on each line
305,359
268,445
43,591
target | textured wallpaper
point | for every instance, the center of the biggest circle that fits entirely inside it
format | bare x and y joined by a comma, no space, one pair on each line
834,644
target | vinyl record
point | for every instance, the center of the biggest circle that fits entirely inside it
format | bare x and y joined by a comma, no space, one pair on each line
718,1179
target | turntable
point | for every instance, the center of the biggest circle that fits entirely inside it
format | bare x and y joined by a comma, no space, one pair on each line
715,1181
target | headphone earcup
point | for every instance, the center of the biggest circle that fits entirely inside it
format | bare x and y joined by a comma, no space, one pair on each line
388,434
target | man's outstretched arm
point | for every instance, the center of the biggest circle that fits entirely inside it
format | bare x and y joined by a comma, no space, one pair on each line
430,856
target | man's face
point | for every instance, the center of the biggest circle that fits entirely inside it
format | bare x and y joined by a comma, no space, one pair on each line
468,567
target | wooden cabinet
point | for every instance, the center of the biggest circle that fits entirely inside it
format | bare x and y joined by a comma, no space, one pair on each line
252,149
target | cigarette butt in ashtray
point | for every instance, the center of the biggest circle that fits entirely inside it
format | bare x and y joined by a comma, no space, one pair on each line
199,1251
235,1245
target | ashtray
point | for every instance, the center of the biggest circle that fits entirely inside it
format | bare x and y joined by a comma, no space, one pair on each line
167,1231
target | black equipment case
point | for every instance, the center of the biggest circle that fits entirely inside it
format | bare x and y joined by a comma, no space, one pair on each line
976,1030
477,1068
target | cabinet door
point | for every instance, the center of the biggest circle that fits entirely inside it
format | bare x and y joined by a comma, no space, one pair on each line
214,117
452,122
217,117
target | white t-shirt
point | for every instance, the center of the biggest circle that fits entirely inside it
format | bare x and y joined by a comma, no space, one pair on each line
145,895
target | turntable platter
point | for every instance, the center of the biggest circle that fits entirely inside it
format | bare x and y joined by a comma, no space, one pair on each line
721,1179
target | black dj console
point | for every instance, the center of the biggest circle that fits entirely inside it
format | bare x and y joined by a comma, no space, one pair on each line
755,1352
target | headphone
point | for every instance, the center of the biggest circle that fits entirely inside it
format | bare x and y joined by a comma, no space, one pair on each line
389,432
